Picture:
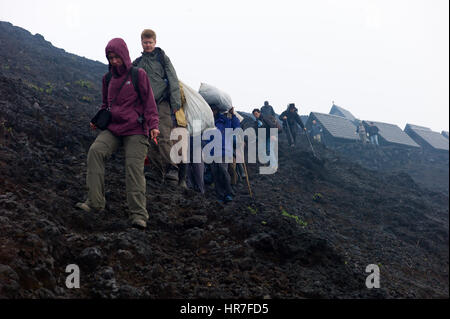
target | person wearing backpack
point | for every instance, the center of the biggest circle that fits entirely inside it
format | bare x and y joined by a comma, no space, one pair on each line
164,82
133,116
290,120
267,110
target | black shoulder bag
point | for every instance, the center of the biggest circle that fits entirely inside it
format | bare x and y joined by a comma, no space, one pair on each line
103,116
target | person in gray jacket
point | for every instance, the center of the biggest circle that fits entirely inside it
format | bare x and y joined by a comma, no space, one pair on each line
164,82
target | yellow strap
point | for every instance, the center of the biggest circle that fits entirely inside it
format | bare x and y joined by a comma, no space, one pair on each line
180,115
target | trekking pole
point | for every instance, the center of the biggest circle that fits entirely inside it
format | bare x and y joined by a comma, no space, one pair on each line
248,182
310,144
289,131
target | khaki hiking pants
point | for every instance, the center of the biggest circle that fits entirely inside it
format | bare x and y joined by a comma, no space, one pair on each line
159,155
136,148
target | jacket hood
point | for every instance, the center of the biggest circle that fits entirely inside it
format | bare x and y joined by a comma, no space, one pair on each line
119,47
291,105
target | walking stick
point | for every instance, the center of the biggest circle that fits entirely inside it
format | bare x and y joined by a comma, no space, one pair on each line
248,182
312,148
290,132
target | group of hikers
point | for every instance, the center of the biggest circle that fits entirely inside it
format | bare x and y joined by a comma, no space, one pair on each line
291,122
368,129
142,101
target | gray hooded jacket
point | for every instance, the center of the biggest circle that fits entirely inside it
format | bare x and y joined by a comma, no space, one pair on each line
163,88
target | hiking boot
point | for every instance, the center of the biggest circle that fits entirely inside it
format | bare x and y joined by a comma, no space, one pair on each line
88,209
172,175
139,223
228,198
183,184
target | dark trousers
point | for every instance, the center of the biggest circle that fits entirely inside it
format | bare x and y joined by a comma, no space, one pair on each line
293,131
195,173
222,179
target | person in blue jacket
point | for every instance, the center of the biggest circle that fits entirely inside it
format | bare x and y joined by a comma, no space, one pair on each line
219,169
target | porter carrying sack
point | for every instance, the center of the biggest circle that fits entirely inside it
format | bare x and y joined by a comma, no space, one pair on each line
196,108
215,97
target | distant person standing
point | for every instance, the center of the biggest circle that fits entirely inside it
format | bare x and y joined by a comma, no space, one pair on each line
362,133
291,120
267,110
373,133
316,131
266,123
165,85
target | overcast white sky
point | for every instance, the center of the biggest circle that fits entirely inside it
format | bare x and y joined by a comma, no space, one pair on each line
383,60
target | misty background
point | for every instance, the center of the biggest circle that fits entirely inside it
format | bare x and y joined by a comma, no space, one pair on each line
382,60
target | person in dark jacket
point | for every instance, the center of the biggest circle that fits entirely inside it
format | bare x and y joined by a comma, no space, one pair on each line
165,85
133,118
291,120
219,169
267,110
373,130
267,122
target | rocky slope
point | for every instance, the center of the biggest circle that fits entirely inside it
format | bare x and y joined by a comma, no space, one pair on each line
309,231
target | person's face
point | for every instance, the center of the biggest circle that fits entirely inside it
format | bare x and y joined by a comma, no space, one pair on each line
256,114
114,59
148,44
292,110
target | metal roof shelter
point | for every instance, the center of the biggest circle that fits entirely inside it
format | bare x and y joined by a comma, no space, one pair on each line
340,111
304,119
444,134
428,139
246,115
336,129
417,127
389,134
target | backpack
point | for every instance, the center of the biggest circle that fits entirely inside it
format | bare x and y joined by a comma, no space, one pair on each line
163,63
134,80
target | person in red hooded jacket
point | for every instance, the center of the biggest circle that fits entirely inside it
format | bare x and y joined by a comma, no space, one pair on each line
133,119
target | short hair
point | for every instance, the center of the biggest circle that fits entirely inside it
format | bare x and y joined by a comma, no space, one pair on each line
148,33
256,110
